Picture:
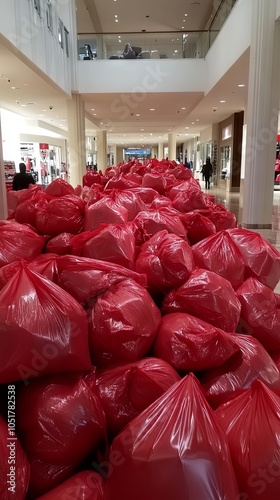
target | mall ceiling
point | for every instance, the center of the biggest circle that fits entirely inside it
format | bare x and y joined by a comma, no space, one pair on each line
186,114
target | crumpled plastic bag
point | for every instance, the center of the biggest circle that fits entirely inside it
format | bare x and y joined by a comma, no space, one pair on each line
112,243
219,253
64,214
14,467
86,485
43,329
85,279
155,181
58,188
46,265
7,272
61,244
207,296
262,260
239,372
190,344
26,211
252,425
60,421
18,241
184,186
104,211
129,200
150,222
260,315
198,227
190,199
123,324
147,195
91,178
173,450
167,260
126,390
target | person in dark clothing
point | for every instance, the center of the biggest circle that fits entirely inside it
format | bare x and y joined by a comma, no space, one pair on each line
207,172
22,180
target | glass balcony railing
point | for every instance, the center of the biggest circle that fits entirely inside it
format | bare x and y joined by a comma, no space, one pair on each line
171,45
154,45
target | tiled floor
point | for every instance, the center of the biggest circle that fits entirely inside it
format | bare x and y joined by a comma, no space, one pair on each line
231,202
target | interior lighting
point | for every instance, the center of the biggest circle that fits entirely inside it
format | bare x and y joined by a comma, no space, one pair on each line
241,85
222,101
152,109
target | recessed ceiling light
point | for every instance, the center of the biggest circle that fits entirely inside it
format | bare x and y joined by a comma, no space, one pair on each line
197,119
222,101
44,110
94,114
142,129
152,109
186,14
120,41
116,15
183,108
137,114
183,27
151,134
241,85
92,109
23,105
184,20
192,123
116,20
187,128
177,39
175,50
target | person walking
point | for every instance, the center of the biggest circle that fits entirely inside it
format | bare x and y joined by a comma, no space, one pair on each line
207,171
22,180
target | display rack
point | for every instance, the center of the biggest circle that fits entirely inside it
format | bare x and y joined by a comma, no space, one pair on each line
10,170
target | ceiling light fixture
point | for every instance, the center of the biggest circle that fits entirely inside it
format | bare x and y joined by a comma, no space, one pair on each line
183,108
241,85
152,109
222,101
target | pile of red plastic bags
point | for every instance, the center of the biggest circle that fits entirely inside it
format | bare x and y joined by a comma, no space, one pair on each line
140,343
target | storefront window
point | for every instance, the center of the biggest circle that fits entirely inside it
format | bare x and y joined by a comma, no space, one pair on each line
225,162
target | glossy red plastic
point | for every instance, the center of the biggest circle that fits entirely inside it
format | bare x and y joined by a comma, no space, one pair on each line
64,214
190,344
239,372
43,329
124,323
175,450
208,297
104,211
86,485
63,424
58,188
219,253
61,244
167,260
198,227
126,390
252,425
18,241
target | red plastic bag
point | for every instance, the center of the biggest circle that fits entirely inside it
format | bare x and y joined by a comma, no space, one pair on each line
155,181
221,217
104,211
113,243
14,198
178,447
131,201
184,186
190,344
63,424
146,194
252,425
190,199
127,390
91,178
14,467
238,373
59,187
208,297
43,329
167,261
46,265
18,241
85,278
219,253
161,201
151,222
8,271
26,211
262,260
61,244
124,324
86,485
260,315
120,182
93,194
198,227
61,215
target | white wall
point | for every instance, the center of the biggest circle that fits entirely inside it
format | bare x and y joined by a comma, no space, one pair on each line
21,25
278,9
142,75
206,135
231,42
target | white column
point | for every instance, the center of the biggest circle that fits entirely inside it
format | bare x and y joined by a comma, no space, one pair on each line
120,155
171,146
76,138
101,137
262,116
160,150
3,192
